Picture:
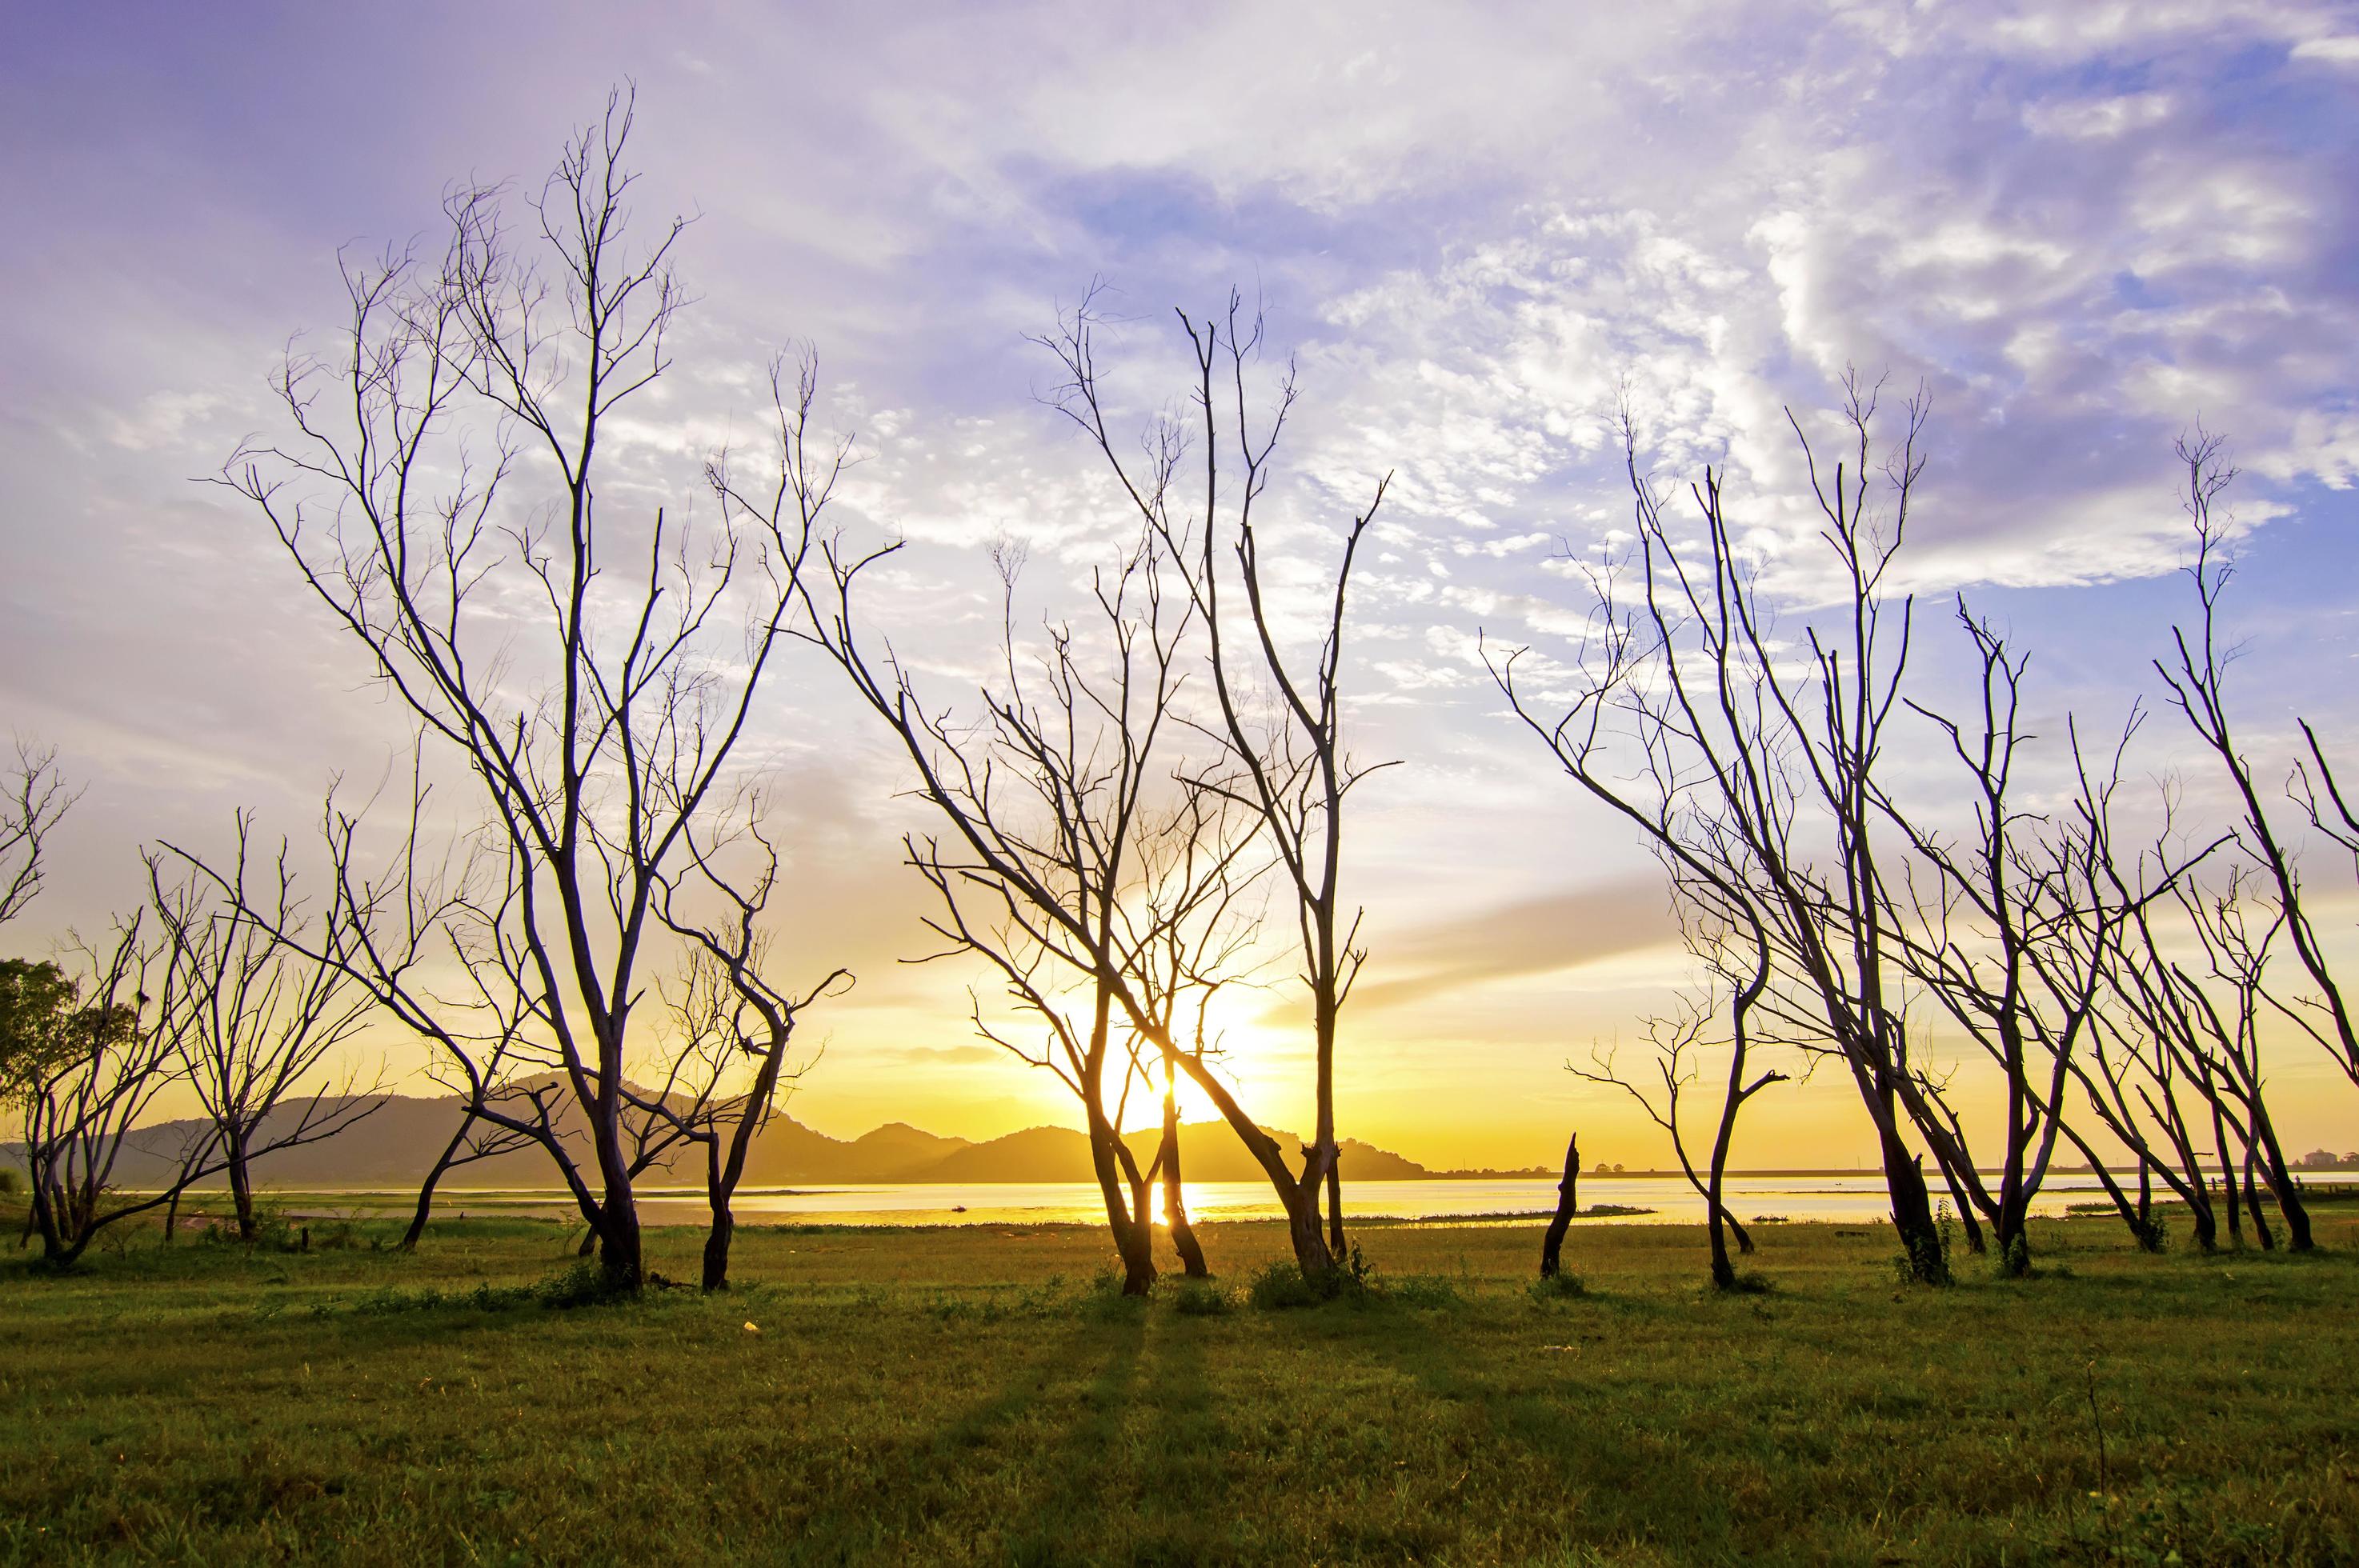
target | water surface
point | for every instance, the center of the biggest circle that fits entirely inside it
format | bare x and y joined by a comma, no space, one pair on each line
1670,1200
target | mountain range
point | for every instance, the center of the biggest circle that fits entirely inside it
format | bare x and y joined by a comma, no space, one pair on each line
395,1143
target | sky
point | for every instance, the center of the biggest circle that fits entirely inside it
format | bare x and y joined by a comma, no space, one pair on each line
2083,228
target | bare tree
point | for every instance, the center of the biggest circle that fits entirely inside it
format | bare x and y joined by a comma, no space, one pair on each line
2006,928
1678,798
1051,793
2128,1071
1291,767
253,1020
440,495
2210,1018
90,1063
1761,751
1196,938
36,800
1760,755
1677,1041
476,1138
2196,677
1568,1203
736,1025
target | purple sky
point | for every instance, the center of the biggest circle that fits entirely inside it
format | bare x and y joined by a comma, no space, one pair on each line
2082,225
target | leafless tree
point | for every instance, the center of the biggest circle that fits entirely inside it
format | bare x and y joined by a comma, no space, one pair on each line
2207,1016
1567,1205
476,1138
735,1024
1196,938
1676,1040
32,993
1760,749
1051,792
36,799
95,1061
440,495
2127,1071
2196,678
1288,762
1676,795
253,1020
2006,927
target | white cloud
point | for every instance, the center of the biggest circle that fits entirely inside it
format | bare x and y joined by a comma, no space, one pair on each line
2098,117
2081,224
2342,49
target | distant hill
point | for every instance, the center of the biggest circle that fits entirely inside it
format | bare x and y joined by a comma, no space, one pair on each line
1209,1151
393,1144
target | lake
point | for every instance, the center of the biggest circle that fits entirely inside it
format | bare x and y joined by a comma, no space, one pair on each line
1672,1201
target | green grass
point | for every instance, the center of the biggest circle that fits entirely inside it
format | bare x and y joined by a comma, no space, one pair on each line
981,1395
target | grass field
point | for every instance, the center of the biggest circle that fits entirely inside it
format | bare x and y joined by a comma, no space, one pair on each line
979,1395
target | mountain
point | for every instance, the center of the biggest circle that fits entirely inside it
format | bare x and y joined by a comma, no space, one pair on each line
393,1145
786,1152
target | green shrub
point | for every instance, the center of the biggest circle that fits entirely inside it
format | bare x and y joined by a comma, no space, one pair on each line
1928,1262
12,1180
1426,1290
341,1236
583,1284
1201,1298
2015,1263
1280,1284
1556,1287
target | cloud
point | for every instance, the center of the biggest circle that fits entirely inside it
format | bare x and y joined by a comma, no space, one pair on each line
1529,936
2080,225
2341,50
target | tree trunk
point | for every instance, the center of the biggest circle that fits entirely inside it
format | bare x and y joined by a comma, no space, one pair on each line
2140,1232
1131,1240
1974,1228
409,1238
172,1215
1912,1204
2253,1205
1140,1182
716,1246
1912,1218
2227,1167
64,1232
1567,1203
2282,1182
1965,1208
37,1215
1174,1200
2289,1203
1335,1200
620,1258
1310,1253
724,1169
2203,1221
241,1187
1324,1008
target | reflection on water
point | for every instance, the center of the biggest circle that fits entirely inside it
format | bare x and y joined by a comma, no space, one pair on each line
1672,1201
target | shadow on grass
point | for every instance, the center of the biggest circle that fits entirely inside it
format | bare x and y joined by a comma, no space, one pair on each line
887,1499
1186,1515
1620,1481
1091,1473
